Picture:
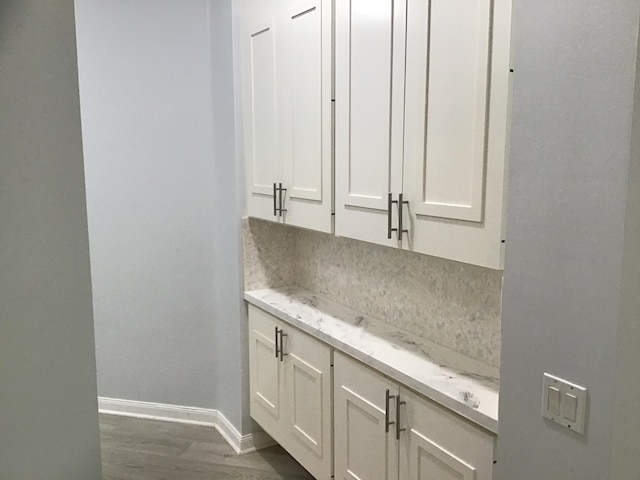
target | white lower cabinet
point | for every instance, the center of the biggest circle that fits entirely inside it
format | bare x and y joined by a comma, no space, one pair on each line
439,445
350,419
384,431
365,442
290,388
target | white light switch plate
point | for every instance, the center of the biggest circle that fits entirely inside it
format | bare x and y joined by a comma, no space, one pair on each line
570,409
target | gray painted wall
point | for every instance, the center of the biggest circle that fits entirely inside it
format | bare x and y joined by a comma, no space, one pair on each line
157,109
48,415
575,67
626,421
230,311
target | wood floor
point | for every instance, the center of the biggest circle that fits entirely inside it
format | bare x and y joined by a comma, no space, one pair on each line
140,449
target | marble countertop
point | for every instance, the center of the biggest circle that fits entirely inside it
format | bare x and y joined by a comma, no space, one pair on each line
463,385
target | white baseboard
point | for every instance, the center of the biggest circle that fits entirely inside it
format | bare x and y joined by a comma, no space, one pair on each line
198,416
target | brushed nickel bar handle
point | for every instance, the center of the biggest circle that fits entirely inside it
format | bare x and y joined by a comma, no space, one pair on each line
282,354
401,202
275,208
398,429
390,202
280,202
276,339
387,399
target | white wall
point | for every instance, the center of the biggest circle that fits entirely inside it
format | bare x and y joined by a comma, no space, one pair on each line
565,275
48,405
157,111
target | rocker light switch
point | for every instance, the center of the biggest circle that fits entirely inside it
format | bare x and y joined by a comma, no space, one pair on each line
564,403
554,400
570,409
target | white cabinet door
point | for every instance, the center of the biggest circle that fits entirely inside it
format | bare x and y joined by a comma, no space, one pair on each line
308,400
306,61
286,81
291,390
266,374
358,425
370,39
437,444
260,105
457,85
364,450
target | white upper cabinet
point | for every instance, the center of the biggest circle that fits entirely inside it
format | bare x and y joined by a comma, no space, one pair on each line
260,106
286,84
446,119
421,120
456,118
369,115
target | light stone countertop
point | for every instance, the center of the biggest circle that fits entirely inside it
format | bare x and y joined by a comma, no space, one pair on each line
461,384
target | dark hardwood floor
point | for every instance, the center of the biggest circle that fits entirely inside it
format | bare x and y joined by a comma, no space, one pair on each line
140,449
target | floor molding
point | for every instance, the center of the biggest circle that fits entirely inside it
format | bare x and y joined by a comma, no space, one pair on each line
197,416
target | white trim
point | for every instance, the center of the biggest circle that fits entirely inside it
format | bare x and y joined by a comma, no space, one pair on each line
197,416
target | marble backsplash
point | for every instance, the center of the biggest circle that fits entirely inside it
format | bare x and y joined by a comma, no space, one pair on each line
452,304
269,254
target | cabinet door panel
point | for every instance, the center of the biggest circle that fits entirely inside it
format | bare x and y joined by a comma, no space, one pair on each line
363,450
291,394
260,107
437,444
308,393
370,101
455,127
369,114
429,461
306,85
305,132
265,373
263,108
454,39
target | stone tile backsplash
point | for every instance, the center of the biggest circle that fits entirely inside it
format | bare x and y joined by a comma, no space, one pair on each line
453,304
268,251
450,303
